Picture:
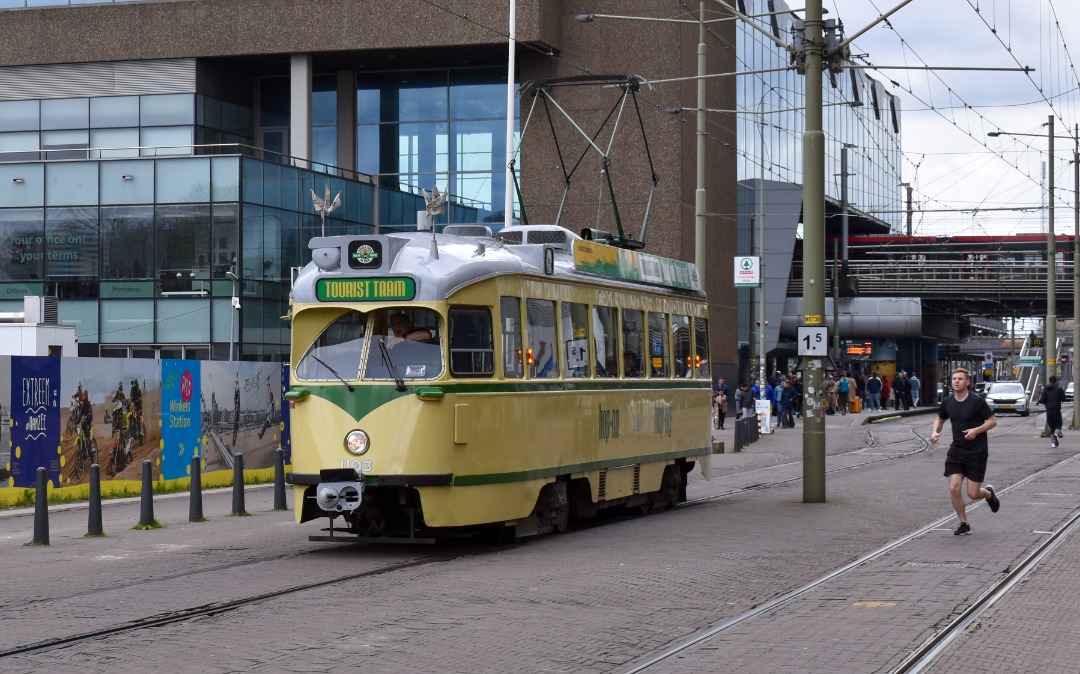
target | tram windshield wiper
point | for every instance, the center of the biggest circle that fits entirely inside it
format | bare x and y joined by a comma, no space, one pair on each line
389,363
320,361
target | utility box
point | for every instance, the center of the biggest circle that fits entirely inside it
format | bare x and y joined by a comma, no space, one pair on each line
35,331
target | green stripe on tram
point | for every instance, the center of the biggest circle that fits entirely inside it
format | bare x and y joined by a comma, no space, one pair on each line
538,473
369,397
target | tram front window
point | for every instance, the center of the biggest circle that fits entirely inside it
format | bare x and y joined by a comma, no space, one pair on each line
335,353
405,344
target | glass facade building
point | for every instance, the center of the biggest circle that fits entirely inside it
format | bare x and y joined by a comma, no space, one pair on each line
858,113
134,209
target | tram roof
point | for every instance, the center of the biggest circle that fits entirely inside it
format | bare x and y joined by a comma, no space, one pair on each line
440,264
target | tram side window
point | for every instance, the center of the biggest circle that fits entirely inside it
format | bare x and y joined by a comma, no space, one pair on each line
542,354
658,345
575,330
680,347
633,331
472,346
701,348
335,353
606,341
510,311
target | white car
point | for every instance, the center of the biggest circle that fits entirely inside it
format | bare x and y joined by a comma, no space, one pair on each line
1069,392
1007,396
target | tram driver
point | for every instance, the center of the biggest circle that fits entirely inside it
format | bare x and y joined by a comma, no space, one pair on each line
403,329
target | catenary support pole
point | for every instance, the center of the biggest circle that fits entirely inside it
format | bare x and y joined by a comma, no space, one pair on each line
813,255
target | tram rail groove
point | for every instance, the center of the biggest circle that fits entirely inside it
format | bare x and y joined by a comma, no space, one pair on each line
223,607
929,651
711,632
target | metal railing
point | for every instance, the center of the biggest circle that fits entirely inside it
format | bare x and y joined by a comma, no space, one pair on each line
992,278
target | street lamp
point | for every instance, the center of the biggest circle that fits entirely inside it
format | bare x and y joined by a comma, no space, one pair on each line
235,303
1051,258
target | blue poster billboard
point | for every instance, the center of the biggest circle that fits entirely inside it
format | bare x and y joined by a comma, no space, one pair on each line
35,419
181,414
286,439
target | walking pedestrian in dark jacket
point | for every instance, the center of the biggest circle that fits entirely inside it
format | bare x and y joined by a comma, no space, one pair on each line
1052,396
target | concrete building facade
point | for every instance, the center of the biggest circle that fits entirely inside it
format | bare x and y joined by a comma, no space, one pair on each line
148,150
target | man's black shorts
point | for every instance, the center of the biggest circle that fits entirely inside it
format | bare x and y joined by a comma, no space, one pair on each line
971,467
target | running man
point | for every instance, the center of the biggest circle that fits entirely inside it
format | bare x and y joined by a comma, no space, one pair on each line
971,418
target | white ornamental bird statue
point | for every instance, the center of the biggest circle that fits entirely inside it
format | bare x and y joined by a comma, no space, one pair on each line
435,202
324,206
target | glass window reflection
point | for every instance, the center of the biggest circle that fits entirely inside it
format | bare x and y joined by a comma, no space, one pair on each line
65,113
20,115
71,236
127,242
22,238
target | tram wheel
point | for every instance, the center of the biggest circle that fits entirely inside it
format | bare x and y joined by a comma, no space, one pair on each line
562,518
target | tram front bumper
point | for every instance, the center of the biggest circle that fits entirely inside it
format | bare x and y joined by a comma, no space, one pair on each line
336,497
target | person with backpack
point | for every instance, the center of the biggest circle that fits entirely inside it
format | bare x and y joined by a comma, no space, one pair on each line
843,387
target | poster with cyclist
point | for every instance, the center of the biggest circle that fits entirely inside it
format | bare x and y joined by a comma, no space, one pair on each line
107,403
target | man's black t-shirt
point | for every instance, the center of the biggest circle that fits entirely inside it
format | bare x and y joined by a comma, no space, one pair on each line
972,412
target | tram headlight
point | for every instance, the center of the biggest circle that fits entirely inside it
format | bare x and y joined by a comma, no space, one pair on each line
356,442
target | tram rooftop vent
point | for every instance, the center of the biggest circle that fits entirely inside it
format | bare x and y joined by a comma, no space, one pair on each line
551,235
482,231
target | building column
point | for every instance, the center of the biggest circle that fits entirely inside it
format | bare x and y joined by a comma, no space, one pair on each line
300,109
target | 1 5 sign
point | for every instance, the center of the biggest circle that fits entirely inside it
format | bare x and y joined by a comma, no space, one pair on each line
813,340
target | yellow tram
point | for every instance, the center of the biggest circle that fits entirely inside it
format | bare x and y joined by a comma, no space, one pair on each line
444,384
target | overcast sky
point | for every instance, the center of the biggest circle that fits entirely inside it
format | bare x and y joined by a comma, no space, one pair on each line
947,114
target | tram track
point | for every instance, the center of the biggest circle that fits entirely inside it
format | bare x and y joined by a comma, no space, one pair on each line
218,608
932,648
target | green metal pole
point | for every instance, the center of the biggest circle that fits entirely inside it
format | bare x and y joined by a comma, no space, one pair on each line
1051,272
1076,266
699,194
814,256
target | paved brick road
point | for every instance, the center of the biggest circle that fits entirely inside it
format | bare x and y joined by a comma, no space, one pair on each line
596,599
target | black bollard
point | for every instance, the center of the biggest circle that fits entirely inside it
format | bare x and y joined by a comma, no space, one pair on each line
93,525
41,508
195,513
238,485
146,513
279,479
740,427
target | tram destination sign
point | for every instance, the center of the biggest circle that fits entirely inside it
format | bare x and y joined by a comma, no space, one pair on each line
396,288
